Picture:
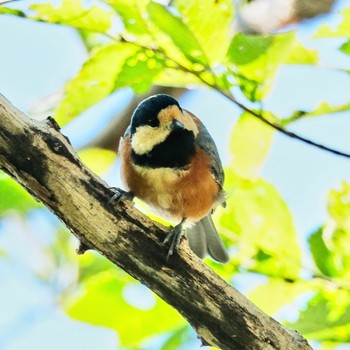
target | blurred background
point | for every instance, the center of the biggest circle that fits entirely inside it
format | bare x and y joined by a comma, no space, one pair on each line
52,299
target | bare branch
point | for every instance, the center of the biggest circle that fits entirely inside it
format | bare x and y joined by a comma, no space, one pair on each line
39,157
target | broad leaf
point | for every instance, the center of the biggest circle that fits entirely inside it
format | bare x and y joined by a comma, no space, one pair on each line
251,141
246,48
260,226
342,30
178,31
277,293
104,301
140,71
212,31
345,48
324,258
74,14
97,159
11,11
329,246
133,14
14,197
301,55
323,108
326,317
260,66
95,81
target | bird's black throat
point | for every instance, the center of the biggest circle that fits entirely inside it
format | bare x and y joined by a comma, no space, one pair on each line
176,151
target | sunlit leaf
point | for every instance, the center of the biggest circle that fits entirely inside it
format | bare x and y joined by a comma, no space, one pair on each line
302,55
326,317
176,78
277,293
212,31
133,14
323,257
140,70
250,143
92,263
323,108
259,225
74,14
103,301
178,338
10,11
342,30
246,48
346,47
14,197
178,31
95,80
260,66
97,159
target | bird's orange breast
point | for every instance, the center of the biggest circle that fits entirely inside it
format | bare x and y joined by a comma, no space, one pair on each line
174,193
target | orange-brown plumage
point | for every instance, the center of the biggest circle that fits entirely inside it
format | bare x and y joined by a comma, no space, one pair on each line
192,193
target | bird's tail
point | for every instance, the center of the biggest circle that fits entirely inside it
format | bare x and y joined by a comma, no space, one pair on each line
204,239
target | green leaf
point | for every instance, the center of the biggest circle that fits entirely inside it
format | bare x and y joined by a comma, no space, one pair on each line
323,108
178,31
302,55
345,48
326,317
260,67
140,71
102,302
133,14
14,197
246,48
342,30
74,14
176,78
212,31
178,338
260,226
323,257
97,159
277,293
251,141
95,81
10,11
92,263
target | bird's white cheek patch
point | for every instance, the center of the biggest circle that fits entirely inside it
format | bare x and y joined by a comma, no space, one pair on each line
146,137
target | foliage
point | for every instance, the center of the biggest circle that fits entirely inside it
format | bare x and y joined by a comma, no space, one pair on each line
141,43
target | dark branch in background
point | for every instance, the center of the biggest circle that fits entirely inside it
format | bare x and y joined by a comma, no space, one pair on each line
284,131
42,160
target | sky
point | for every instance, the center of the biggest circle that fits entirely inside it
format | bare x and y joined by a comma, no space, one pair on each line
37,59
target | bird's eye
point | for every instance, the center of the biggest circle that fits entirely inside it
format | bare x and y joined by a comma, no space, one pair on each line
154,122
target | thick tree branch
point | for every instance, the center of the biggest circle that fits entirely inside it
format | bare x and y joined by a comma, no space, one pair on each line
39,157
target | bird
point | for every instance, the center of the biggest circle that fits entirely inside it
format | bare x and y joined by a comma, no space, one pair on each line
170,162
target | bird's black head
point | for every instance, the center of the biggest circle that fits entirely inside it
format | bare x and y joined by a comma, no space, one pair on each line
148,110
162,134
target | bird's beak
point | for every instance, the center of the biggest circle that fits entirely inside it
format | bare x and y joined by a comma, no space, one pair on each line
176,125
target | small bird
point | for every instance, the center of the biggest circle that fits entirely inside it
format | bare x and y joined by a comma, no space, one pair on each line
170,162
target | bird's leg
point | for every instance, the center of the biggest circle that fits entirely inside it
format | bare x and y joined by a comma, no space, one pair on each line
174,237
119,194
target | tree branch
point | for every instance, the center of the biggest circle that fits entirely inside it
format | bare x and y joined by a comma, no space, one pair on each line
39,157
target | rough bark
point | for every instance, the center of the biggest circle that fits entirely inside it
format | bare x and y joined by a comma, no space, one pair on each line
40,158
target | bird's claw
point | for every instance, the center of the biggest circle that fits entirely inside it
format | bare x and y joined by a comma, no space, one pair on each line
119,194
174,237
